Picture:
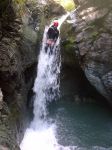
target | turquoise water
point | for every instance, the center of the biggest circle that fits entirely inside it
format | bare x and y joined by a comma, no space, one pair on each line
82,125
87,125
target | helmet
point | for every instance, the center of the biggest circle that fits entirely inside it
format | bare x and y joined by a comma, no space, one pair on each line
55,23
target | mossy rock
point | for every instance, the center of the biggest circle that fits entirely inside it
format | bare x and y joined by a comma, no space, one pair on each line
69,31
53,9
30,34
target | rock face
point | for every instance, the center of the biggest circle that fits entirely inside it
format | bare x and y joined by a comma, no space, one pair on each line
8,135
53,9
18,59
93,34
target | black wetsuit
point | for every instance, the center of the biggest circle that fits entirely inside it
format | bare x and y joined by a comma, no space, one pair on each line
52,34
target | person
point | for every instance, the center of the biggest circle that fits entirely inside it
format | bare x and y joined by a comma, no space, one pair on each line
52,36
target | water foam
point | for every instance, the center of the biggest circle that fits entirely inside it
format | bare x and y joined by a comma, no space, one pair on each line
41,134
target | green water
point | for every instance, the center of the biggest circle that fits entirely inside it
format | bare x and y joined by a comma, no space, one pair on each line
87,125
82,125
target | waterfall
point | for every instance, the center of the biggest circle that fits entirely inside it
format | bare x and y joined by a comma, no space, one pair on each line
41,133
46,84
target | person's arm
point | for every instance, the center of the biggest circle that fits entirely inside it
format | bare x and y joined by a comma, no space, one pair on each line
56,36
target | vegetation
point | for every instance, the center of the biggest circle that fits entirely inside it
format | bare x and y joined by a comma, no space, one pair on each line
69,5
19,1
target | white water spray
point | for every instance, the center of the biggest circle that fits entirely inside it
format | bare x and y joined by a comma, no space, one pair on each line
41,133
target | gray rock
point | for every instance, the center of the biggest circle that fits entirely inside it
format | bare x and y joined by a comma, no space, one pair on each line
18,59
93,29
107,80
108,22
96,81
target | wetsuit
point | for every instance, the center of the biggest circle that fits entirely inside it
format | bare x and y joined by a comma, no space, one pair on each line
52,36
53,33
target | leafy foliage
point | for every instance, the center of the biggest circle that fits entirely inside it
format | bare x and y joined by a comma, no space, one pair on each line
69,5
20,2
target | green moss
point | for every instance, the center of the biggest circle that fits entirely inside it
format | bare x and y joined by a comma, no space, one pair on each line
72,40
69,41
68,48
68,45
95,34
20,2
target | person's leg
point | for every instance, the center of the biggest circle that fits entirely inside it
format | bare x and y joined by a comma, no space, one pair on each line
46,47
52,47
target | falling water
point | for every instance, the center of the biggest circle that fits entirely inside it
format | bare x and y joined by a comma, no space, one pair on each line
41,135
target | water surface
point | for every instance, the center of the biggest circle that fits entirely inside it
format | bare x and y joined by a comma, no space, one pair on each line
82,125
86,125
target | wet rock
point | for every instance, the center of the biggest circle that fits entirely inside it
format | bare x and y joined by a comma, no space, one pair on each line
94,78
107,80
18,52
95,44
53,9
7,134
91,14
108,22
